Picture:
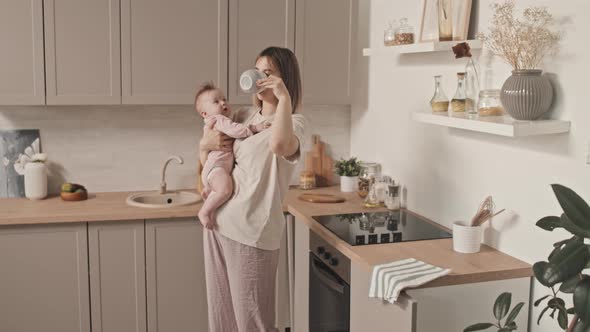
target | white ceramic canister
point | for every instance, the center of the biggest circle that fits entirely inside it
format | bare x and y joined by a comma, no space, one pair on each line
466,239
35,180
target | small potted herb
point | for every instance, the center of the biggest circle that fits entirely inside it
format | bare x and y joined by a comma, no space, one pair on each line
349,171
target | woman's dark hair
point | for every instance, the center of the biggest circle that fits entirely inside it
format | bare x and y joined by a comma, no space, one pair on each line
286,63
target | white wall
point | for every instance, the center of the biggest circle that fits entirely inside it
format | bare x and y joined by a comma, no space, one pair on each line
122,148
448,172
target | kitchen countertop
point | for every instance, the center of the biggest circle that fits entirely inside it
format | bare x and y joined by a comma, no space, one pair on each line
487,265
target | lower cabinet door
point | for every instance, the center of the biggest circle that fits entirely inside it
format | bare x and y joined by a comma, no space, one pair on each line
176,294
44,278
117,276
376,315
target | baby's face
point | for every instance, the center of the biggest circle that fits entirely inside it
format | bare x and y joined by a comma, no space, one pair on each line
213,102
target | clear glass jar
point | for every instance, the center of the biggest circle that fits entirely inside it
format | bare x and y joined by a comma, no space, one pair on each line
381,186
389,34
458,101
440,101
489,103
404,34
307,180
392,201
369,172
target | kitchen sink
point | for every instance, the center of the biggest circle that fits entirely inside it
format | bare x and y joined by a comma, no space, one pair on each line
154,199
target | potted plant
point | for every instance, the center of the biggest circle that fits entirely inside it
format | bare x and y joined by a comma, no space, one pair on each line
523,43
349,171
563,270
501,308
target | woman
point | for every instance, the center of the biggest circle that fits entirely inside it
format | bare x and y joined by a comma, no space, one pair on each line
241,254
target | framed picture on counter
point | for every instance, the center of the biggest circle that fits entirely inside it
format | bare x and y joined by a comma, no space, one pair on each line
14,143
429,22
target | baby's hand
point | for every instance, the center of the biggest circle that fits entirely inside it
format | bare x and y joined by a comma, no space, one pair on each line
260,127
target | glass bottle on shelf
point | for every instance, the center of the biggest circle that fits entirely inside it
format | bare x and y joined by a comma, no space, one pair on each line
389,35
404,34
445,20
471,86
440,101
458,101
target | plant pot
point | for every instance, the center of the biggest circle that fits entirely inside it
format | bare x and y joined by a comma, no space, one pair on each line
35,180
466,239
526,94
348,184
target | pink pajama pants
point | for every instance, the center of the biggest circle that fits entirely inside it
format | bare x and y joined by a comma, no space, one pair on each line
240,285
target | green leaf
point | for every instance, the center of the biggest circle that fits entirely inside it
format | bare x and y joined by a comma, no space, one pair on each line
541,314
569,285
502,305
556,303
573,205
582,300
571,311
549,223
562,318
512,316
573,228
478,327
536,304
504,329
569,261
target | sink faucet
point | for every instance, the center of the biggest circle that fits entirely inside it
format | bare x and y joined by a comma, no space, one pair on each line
163,182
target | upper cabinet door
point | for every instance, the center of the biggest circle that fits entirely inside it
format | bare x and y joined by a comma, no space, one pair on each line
170,47
253,26
324,46
82,52
22,80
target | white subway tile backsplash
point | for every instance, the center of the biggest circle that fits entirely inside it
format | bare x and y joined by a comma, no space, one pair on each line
119,148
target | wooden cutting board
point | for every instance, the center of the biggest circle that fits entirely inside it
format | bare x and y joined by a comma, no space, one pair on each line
321,198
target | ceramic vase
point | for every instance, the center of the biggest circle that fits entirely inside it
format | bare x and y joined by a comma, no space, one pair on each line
526,94
35,180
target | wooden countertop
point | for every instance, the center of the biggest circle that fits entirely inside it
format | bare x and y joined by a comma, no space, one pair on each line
487,265
98,207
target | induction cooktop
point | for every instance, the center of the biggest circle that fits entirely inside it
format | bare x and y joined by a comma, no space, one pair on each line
381,227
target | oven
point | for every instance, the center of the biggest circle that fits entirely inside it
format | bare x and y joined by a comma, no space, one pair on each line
329,287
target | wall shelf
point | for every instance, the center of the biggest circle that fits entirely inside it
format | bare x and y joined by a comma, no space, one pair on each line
497,125
420,48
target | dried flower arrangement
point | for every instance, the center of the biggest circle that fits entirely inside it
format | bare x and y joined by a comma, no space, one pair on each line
522,43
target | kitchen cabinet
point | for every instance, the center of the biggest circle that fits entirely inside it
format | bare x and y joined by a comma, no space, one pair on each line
253,26
169,49
325,46
116,252
301,277
176,292
82,52
44,278
22,72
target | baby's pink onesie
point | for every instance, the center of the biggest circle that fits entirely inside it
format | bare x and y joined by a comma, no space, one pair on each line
223,159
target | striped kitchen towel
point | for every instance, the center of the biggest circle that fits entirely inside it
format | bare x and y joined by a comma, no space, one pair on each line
390,279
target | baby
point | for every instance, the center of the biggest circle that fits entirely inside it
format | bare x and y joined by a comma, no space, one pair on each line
216,174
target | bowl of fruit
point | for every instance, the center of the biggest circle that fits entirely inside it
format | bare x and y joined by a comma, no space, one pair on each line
73,192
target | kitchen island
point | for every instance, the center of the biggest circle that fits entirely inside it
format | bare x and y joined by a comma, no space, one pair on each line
120,262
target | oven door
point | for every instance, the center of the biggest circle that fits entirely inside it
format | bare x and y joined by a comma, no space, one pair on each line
329,299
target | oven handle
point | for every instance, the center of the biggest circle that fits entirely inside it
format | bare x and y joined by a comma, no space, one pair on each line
325,278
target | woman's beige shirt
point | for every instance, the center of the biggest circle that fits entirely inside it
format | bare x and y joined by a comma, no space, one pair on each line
254,214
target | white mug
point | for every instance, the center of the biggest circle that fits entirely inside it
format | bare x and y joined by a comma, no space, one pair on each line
248,80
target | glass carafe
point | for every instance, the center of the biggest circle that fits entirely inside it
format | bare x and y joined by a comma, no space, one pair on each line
445,20
458,101
372,200
472,85
440,101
